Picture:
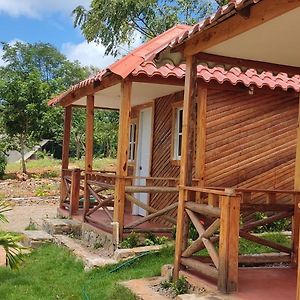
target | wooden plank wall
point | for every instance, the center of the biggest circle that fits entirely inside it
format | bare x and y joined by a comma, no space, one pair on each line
251,140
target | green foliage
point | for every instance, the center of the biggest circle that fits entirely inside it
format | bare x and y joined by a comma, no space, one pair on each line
132,241
32,75
180,286
152,239
10,242
31,226
277,226
166,284
149,18
3,164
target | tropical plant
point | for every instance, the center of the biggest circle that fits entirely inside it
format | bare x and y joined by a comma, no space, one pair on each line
10,241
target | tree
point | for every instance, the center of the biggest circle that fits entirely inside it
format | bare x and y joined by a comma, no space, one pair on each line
114,22
32,75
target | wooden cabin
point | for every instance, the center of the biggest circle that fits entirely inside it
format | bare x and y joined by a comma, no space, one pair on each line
262,35
219,148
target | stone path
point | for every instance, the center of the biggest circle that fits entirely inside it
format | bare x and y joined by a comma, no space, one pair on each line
19,217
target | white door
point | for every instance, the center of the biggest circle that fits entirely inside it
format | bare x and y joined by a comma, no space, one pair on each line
143,156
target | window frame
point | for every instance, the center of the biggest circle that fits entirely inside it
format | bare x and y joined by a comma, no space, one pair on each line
176,108
132,144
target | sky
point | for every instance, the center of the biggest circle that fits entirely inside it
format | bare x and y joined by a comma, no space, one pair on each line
50,21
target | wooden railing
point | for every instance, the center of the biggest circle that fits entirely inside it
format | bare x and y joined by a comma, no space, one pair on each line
220,217
73,187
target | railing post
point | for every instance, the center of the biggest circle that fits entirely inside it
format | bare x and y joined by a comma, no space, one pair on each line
75,190
229,244
88,149
65,151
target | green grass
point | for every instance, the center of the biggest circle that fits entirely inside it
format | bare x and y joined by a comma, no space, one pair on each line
52,272
48,167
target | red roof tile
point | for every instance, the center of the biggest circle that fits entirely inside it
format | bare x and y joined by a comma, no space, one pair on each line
139,61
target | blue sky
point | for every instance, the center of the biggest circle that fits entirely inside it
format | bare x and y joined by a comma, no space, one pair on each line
49,21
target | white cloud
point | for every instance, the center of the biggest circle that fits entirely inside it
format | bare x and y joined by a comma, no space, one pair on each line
92,54
36,8
88,54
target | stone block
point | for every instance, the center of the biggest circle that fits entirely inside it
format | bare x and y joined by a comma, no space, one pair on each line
167,271
35,238
62,226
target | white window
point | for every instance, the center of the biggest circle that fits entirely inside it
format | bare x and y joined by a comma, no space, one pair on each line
132,142
178,133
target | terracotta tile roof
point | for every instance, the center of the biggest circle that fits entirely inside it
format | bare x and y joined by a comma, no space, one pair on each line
220,15
218,74
139,61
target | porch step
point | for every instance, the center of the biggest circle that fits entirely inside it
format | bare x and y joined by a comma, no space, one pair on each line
62,226
35,238
89,259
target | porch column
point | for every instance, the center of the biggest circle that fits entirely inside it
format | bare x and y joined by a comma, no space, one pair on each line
89,132
296,219
201,138
187,151
65,150
122,158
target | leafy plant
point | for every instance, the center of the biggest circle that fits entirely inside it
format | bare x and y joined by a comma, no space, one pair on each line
277,226
9,241
180,286
31,226
166,284
43,190
133,240
3,163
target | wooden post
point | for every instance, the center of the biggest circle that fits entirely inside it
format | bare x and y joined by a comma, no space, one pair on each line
229,244
74,195
88,149
201,138
65,150
122,159
187,151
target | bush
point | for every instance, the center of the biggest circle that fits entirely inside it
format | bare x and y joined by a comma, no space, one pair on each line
3,163
277,226
180,286
132,241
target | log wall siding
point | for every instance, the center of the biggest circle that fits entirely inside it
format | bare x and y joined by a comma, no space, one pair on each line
251,141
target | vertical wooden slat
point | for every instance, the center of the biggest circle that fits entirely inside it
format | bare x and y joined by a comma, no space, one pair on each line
65,150
88,147
187,150
75,189
296,218
201,138
122,157
229,244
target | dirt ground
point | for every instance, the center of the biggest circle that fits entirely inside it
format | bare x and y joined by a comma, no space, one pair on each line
40,187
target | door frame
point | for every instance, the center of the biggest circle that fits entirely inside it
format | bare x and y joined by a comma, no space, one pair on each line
139,109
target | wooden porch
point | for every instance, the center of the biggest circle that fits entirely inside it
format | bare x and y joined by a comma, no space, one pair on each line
98,209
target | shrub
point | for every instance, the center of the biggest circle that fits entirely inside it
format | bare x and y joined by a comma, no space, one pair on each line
180,286
3,163
277,226
133,240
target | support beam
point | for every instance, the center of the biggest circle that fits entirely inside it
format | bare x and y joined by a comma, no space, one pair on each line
187,151
260,13
229,244
65,150
89,145
201,138
122,157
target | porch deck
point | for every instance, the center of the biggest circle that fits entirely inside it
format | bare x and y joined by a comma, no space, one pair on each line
100,220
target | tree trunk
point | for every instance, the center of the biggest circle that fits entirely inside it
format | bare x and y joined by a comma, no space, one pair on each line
22,144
